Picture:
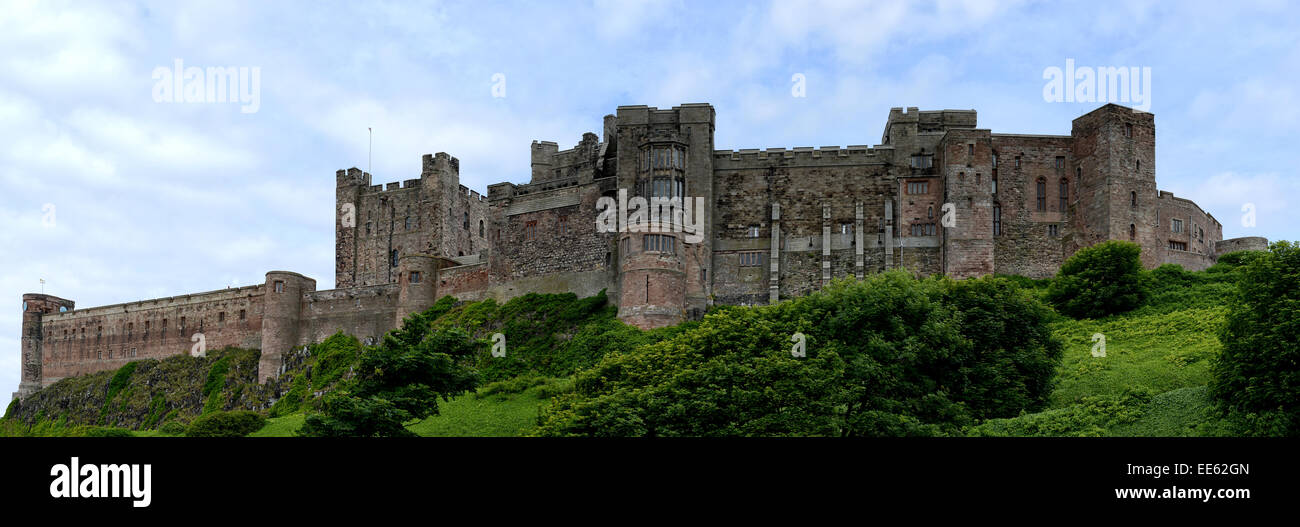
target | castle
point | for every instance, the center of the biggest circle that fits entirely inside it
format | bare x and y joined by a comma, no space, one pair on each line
937,195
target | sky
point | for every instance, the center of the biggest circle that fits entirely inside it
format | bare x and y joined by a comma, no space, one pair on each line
114,190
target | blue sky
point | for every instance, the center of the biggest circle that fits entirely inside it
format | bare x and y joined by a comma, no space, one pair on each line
154,199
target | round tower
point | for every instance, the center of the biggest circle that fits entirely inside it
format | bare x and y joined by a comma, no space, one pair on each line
281,318
652,279
415,279
35,307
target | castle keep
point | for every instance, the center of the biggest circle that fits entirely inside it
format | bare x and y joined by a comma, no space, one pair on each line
776,223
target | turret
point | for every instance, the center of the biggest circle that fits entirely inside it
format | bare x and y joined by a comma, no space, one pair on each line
282,318
417,274
35,307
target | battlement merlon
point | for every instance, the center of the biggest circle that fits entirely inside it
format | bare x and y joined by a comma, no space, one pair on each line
915,121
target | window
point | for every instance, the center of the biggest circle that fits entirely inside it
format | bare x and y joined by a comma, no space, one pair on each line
752,232
1042,195
367,228
922,161
466,222
1017,161
751,259
1133,198
846,228
929,213
392,258
1132,232
704,275
1128,129
133,353
1177,246
995,161
1138,165
414,278
918,187
221,316
970,149
408,223
480,228
923,229
182,323
624,247
658,242
243,315
530,230
1052,231
995,183
1065,194
997,219
1176,225
563,225
1060,163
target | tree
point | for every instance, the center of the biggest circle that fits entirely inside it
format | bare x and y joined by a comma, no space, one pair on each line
398,381
1258,371
1101,280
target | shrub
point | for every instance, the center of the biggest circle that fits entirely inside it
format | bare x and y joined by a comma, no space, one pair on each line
100,431
398,381
890,355
1101,280
172,428
334,357
226,424
1257,375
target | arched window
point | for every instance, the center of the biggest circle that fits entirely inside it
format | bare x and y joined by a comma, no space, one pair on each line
1132,232
1065,193
1133,198
1042,195
480,228
930,213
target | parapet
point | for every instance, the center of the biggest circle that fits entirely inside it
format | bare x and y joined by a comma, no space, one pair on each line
724,159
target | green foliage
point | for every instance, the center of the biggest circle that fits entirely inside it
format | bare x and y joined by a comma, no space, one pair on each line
1257,376
173,428
101,431
514,385
398,381
889,355
1090,418
226,424
1101,280
291,401
334,357
1236,259
120,380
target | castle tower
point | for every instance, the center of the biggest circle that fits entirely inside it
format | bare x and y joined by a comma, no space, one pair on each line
1114,170
281,319
417,274
665,159
347,202
35,306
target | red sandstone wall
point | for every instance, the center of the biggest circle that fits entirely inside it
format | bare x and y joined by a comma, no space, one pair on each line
116,334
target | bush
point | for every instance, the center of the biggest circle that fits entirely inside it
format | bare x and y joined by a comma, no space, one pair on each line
398,381
226,424
173,428
1101,280
1257,375
99,431
889,355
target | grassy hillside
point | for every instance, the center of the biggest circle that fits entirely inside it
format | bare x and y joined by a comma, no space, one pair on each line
1152,379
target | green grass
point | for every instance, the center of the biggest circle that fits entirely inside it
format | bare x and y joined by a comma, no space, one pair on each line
284,426
1144,350
469,415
